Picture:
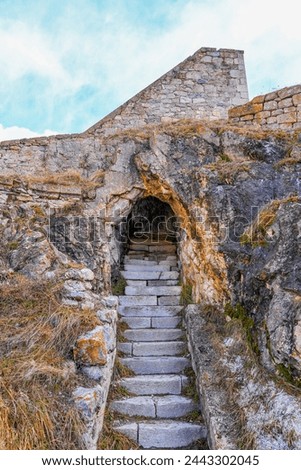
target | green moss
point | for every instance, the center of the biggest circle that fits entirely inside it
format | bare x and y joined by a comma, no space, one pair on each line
238,312
13,245
224,157
186,295
118,288
286,372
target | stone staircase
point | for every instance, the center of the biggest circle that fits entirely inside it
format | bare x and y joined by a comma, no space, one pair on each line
156,415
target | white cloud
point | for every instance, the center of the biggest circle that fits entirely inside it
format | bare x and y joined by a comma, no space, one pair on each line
15,132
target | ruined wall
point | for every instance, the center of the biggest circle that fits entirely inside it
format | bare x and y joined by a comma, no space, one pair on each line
205,85
280,109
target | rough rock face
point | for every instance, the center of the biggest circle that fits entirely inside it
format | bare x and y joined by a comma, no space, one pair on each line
236,196
243,407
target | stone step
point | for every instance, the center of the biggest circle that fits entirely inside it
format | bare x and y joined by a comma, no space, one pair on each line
155,384
150,334
156,283
135,406
138,247
169,262
129,282
150,275
162,248
162,434
152,322
153,365
144,268
158,348
166,322
135,300
169,300
169,275
136,322
126,348
157,290
137,255
174,406
171,406
147,310
152,348
144,262
153,239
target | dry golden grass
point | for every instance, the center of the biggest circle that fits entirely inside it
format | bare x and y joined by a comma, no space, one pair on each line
196,127
288,161
37,374
185,128
229,170
256,233
110,439
68,178
65,179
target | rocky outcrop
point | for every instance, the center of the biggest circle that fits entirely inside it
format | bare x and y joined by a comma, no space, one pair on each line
235,194
243,407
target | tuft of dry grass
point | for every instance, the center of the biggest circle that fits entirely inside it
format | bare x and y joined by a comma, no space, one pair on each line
255,235
37,374
184,128
288,161
229,170
64,179
110,439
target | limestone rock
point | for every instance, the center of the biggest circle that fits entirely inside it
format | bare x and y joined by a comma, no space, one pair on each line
91,348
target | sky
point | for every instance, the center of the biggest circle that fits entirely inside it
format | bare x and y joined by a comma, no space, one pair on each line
65,64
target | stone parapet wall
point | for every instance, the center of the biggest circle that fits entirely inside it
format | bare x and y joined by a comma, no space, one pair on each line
203,86
280,109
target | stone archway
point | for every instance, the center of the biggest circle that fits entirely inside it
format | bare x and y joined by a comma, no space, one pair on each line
152,220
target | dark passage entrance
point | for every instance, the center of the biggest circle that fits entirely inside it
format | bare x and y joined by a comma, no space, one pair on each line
152,220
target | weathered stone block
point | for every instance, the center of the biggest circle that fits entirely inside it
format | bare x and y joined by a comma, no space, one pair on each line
153,384
149,291
287,118
137,322
285,103
149,311
169,300
248,108
90,349
174,406
169,435
270,105
162,365
135,300
151,334
289,91
166,322
297,99
136,406
160,348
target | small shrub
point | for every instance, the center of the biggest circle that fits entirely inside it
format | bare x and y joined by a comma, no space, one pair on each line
238,312
118,288
186,295
224,157
255,235
287,373
13,245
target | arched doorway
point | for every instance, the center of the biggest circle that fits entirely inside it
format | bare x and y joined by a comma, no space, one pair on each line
152,220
